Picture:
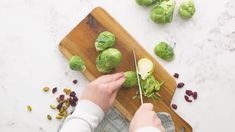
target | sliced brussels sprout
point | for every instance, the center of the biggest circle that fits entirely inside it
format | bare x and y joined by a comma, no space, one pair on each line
145,67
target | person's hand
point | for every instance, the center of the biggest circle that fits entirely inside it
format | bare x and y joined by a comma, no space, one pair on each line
103,90
145,117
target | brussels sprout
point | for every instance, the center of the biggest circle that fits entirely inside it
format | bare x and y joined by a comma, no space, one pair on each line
131,79
150,86
145,2
108,60
76,63
105,40
164,51
187,9
163,11
145,67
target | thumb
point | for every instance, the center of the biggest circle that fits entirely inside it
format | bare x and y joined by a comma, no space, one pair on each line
146,106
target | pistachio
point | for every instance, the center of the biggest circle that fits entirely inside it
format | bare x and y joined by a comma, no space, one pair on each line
53,106
67,91
46,89
49,117
59,117
29,108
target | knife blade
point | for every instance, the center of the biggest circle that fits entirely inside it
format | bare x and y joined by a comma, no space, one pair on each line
138,78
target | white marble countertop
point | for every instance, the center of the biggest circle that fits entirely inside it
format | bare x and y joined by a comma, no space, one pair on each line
30,31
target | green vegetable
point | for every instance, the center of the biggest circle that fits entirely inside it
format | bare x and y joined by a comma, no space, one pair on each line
150,86
187,9
163,11
145,2
105,40
76,63
131,79
108,60
164,51
145,67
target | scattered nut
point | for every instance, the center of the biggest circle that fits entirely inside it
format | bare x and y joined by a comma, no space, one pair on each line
174,106
176,75
29,108
75,81
53,106
180,85
67,91
54,90
49,117
59,117
46,89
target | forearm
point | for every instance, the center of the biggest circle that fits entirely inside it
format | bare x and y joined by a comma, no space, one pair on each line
85,118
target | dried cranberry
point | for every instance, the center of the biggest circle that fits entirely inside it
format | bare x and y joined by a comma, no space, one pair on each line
54,90
189,92
75,99
174,106
195,95
176,75
59,106
61,97
72,94
180,85
75,81
187,98
73,103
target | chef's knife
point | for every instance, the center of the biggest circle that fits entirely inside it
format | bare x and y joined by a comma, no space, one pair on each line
138,77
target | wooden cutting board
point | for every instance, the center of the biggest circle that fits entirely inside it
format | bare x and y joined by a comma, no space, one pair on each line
80,41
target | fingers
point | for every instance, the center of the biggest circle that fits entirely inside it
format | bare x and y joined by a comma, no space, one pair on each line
146,106
115,85
110,77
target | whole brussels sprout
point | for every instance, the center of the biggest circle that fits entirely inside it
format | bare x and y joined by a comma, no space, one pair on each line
105,40
145,2
187,9
163,11
131,79
108,60
76,63
164,51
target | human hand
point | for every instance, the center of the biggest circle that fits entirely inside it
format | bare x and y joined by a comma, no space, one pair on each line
145,117
103,90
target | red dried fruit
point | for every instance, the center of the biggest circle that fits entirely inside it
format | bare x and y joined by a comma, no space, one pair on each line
54,90
174,106
75,99
75,81
73,103
195,95
61,97
176,75
72,94
180,85
189,92
187,98
59,106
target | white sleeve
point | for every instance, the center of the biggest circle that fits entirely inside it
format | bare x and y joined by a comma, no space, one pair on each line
85,118
148,129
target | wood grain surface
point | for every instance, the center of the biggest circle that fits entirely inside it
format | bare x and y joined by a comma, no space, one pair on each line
80,41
